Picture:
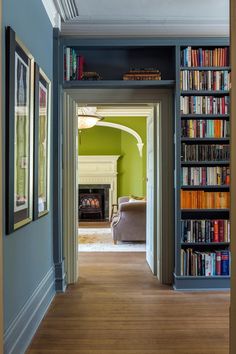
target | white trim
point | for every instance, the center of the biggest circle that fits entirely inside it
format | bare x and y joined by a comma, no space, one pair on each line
172,26
128,130
125,111
70,189
52,13
22,329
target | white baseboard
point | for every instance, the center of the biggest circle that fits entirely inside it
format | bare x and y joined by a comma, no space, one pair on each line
22,329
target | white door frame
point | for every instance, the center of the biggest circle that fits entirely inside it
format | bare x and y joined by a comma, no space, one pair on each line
164,209
70,185
1,195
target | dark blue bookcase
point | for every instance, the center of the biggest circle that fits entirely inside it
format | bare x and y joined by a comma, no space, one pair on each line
111,58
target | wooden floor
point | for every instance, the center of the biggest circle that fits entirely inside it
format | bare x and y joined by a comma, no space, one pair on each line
94,224
118,307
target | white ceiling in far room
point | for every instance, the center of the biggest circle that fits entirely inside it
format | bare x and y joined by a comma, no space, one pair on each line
149,18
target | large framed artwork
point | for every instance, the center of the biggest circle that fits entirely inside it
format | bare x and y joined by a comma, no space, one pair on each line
19,133
41,143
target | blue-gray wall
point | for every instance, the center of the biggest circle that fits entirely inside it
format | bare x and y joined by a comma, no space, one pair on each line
28,252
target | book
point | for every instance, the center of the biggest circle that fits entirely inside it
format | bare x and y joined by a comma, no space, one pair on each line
204,200
195,263
192,57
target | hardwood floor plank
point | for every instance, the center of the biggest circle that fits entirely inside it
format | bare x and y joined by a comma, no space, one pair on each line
119,307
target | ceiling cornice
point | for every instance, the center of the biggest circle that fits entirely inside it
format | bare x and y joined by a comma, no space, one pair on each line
174,26
52,13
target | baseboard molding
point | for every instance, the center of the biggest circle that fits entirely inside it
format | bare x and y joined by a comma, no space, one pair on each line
60,275
21,331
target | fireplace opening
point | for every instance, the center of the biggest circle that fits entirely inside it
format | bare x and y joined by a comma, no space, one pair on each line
93,202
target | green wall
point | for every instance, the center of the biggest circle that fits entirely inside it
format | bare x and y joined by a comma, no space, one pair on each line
110,141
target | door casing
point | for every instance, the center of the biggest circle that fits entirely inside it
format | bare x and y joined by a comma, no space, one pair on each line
164,212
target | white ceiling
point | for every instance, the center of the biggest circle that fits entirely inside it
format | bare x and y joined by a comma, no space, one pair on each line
149,18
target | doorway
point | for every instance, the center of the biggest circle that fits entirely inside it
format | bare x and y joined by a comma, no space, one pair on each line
160,161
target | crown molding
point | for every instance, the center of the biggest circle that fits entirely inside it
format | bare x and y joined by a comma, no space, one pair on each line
52,13
137,27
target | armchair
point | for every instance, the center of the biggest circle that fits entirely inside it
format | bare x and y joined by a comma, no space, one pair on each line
129,224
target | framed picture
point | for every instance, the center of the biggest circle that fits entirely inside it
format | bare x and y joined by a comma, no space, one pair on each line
41,143
19,137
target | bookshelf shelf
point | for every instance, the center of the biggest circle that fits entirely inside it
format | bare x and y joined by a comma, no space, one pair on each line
204,93
203,163
206,68
220,187
202,140
204,244
118,83
205,210
204,116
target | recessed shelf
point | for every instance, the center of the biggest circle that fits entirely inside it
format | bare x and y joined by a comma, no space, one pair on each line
203,163
204,116
199,140
203,93
206,68
225,187
204,211
117,83
204,244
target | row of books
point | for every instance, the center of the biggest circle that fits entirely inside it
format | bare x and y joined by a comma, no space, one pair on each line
205,80
205,152
73,65
205,176
205,231
208,264
143,74
204,200
203,128
204,105
204,57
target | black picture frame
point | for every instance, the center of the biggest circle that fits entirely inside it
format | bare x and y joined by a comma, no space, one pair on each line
19,133
42,101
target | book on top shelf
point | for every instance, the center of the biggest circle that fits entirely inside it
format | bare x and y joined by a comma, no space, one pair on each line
217,57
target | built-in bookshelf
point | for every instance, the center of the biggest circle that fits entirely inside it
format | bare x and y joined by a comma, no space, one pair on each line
108,65
203,183
198,81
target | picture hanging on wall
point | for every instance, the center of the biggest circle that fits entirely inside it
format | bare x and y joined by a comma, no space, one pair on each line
41,143
19,137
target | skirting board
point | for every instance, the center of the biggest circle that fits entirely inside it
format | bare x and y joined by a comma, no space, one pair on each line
21,331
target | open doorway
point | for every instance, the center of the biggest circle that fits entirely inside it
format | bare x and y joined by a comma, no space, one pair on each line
116,181
160,208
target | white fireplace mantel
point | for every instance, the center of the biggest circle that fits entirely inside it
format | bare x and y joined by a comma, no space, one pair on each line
100,169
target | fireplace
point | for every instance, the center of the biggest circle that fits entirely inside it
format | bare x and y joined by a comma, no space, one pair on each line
93,202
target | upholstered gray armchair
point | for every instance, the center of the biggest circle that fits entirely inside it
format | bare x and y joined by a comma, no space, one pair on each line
129,224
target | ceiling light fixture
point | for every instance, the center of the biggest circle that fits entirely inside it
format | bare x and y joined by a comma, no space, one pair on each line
87,117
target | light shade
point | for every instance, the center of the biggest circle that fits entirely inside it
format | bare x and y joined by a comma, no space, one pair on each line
86,121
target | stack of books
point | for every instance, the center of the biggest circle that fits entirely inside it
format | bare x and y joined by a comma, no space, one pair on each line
205,80
205,176
204,105
205,263
142,74
206,231
204,200
205,152
73,65
204,57
202,128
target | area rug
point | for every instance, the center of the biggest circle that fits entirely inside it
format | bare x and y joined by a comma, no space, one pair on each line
100,240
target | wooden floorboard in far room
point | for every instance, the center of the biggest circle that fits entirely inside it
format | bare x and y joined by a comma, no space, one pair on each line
118,307
94,224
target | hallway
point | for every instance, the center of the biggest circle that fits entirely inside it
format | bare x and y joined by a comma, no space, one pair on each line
118,307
